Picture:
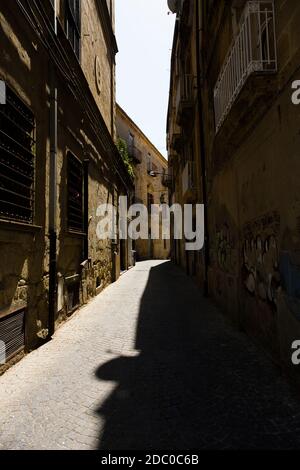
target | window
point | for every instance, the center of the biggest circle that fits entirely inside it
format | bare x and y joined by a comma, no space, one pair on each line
130,143
17,160
149,163
264,41
73,24
75,194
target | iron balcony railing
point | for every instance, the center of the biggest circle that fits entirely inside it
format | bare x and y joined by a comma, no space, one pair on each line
253,51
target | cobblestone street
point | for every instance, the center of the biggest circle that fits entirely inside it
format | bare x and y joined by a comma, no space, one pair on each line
148,364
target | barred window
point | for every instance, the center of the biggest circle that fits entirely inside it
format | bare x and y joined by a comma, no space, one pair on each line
17,160
73,24
75,194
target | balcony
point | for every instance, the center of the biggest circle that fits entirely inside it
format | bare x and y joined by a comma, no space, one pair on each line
177,142
185,98
167,179
253,52
135,154
188,179
175,137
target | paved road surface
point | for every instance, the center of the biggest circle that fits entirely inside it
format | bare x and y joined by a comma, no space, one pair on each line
148,364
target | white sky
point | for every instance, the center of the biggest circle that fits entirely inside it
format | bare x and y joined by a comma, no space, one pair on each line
144,33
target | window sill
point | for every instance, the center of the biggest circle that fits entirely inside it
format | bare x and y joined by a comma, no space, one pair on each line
19,226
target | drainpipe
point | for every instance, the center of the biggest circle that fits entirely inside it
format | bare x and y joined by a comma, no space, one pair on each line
200,79
86,208
52,206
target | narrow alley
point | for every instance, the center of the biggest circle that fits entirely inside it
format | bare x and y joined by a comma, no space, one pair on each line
148,364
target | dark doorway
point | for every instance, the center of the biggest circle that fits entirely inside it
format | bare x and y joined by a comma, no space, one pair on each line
123,257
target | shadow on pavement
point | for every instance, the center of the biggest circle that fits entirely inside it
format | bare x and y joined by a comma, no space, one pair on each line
195,383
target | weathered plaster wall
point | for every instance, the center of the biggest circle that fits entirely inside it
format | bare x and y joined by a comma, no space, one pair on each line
24,250
94,45
257,190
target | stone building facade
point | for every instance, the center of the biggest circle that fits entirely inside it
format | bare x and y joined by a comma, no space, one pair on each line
248,55
183,136
58,163
151,180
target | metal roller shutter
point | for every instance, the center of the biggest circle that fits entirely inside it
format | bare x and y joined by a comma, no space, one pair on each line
12,333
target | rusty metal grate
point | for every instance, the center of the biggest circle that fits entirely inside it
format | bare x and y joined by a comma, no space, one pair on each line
17,160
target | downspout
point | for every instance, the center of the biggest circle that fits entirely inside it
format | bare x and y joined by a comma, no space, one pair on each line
53,206
86,208
200,81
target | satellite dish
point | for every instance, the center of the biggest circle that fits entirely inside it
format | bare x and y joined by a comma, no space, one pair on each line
173,5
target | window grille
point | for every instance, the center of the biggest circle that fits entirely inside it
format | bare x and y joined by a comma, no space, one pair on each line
73,24
17,160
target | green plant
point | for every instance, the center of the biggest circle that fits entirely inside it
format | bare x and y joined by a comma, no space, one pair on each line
123,151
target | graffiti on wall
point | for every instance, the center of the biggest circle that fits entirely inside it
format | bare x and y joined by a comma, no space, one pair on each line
226,254
260,273
225,249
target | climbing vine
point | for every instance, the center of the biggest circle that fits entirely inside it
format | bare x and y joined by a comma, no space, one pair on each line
123,150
